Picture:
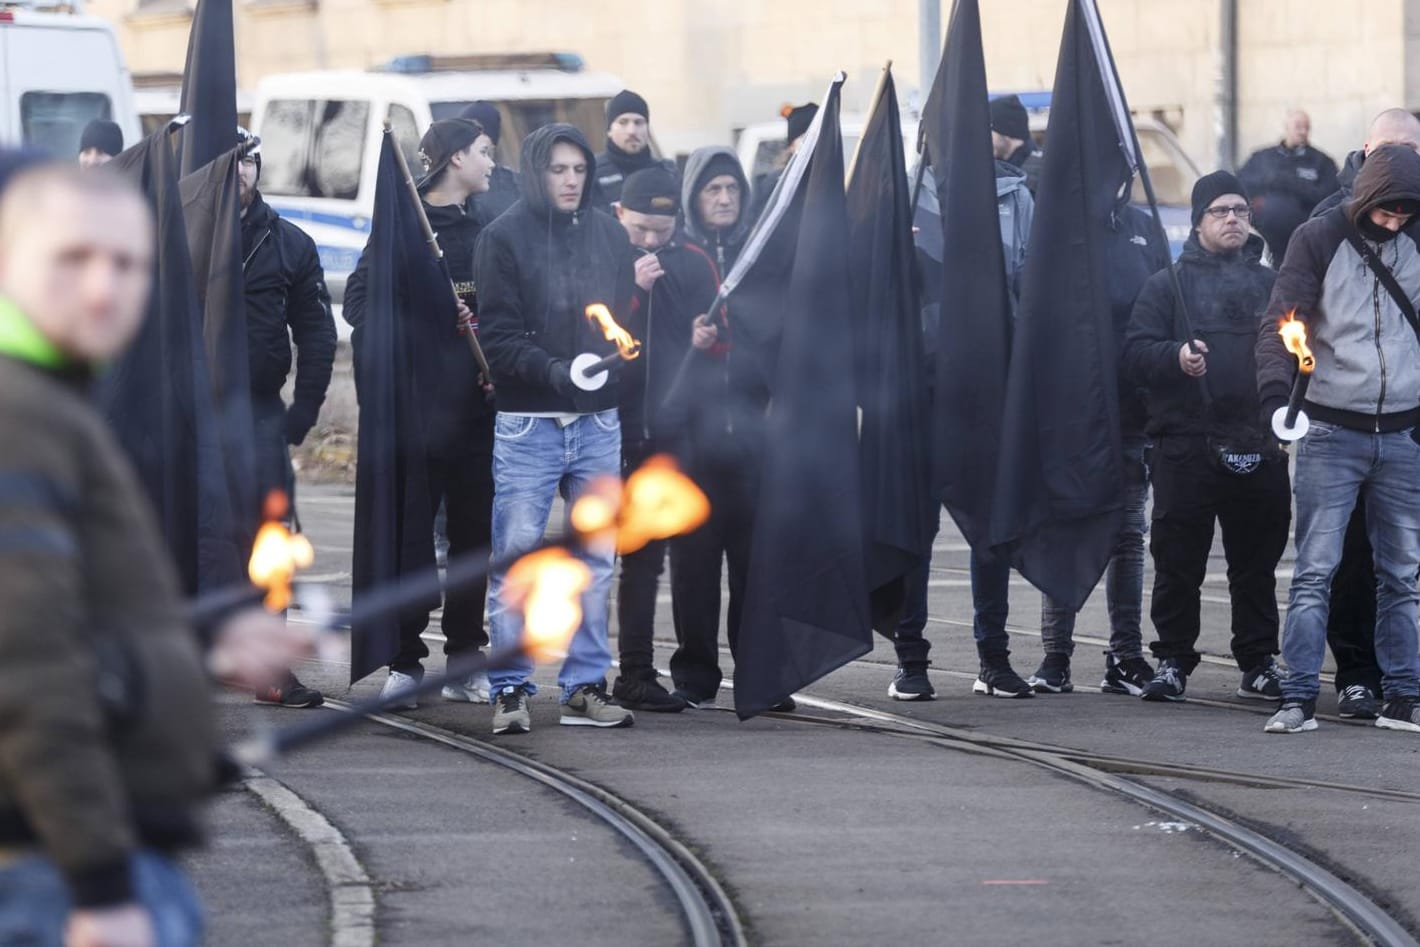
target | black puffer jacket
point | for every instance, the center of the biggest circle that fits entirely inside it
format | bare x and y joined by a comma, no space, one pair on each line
537,270
614,166
1226,295
1137,251
1345,182
286,300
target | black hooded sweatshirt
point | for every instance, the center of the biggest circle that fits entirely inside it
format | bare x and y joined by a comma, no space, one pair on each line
537,270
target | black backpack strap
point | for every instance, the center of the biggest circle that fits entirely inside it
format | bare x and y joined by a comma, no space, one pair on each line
1386,277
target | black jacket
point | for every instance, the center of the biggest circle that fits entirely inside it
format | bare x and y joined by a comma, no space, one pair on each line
614,166
1345,182
1284,184
1225,295
663,320
502,193
1030,160
1137,252
450,399
715,413
537,270
286,300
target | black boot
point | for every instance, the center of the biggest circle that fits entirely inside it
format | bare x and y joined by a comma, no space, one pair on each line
638,689
998,678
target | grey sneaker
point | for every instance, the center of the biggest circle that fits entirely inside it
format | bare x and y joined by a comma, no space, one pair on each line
396,684
510,711
589,707
1402,713
472,689
1296,716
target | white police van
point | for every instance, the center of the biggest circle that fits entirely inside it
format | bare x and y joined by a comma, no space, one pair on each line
58,72
320,131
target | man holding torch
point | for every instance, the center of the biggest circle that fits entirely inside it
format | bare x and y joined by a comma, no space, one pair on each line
539,267
1351,277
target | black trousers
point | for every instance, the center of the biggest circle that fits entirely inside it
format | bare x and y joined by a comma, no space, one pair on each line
640,581
695,578
1191,493
1351,623
464,482
272,454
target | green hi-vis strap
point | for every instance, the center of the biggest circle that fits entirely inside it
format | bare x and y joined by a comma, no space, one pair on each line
20,340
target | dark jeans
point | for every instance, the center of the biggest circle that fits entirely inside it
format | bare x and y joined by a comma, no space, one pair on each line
1351,624
1124,579
464,483
1191,493
990,600
640,580
695,578
272,454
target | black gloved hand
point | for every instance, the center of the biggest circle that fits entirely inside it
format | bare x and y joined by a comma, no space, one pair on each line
559,378
1269,408
299,421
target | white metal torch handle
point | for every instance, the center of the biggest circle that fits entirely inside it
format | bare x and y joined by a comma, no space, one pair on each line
1294,433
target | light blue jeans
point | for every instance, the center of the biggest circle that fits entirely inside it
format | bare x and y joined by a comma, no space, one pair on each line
1335,465
533,460
35,903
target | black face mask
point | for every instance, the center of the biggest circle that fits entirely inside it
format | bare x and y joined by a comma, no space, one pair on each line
1373,231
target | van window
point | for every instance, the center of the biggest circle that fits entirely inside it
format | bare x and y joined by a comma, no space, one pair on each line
523,116
406,135
313,148
54,121
1169,170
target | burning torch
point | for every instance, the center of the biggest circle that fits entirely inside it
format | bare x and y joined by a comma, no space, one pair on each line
1291,423
590,372
544,585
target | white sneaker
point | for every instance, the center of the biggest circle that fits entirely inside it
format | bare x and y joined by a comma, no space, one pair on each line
470,690
395,684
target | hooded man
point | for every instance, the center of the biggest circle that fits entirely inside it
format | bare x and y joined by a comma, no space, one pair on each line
1212,461
503,187
628,147
1011,138
1350,276
538,267
100,143
675,282
1286,181
714,195
286,301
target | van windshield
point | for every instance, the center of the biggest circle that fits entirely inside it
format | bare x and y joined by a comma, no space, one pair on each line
54,121
313,148
525,115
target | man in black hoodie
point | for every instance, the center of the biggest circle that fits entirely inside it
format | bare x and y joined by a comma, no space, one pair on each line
538,267
675,282
286,300
1212,459
628,147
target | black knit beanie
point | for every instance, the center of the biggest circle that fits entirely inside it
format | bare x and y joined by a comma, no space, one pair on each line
626,101
1210,187
103,135
487,115
1009,118
799,119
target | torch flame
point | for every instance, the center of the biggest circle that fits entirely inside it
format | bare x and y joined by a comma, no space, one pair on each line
656,502
547,587
625,344
278,554
1294,335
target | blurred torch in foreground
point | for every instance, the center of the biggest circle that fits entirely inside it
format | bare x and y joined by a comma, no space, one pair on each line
1291,423
278,554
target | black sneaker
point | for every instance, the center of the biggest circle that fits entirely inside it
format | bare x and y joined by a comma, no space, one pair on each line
639,690
291,694
786,706
1357,702
1263,682
693,701
1125,676
1053,675
1402,713
1168,683
998,679
911,682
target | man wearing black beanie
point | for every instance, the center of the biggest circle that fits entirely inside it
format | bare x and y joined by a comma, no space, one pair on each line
1011,139
628,147
503,189
100,143
1213,462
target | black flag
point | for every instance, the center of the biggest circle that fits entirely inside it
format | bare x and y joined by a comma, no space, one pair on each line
891,384
393,519
213,215
157,396
1060,485
974,332
806,606
209,86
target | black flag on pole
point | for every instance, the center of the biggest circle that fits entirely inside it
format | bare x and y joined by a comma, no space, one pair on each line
212,211
1060,477
393,539
974,332
209,86
806,606
892,389
157,396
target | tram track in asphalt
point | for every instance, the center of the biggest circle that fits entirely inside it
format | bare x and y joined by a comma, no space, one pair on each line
710,916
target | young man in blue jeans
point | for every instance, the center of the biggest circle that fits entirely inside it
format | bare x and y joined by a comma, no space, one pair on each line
537,268
1364,405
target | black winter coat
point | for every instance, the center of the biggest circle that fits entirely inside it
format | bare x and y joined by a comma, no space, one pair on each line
503,191
1226,296
614,166
537,270
286,300
1284,184
1137,251
1345,182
